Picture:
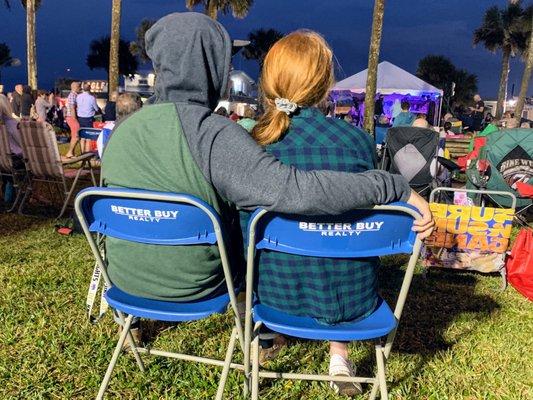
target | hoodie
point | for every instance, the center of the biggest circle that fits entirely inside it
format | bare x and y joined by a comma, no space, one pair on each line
177,144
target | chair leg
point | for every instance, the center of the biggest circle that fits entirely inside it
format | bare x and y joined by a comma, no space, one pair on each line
133,347
69,194
27,195
255,365
380,358
20,191
227,362
116,353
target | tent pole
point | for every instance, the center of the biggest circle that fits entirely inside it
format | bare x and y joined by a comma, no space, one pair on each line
440,109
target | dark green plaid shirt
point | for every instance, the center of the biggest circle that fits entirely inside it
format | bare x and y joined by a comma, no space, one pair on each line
332,291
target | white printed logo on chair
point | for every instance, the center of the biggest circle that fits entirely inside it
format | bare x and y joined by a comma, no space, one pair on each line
340,229
140,214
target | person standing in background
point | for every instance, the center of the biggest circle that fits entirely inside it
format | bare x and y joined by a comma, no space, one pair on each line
110,109
477,111
71,117
26,102
405,117
17,100
86,107
43,103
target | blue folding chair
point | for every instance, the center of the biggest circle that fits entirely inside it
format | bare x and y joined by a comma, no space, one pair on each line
167,220
89,133
380,231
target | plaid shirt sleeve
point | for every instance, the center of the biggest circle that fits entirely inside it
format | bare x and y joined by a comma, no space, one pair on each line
71,104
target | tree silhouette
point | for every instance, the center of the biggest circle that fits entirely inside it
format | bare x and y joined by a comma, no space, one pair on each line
138,47
261,40
505,30
98,57
239,8
440,72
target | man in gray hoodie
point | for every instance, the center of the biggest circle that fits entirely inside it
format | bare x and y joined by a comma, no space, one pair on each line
177,144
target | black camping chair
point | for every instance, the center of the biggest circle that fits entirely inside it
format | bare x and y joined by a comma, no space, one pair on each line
413,153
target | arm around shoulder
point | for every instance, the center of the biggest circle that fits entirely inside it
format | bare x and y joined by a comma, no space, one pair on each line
246,175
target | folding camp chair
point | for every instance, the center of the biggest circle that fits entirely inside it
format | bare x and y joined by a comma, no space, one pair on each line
9,169
469,237
413,153
169,220
379,231
504,161
43,163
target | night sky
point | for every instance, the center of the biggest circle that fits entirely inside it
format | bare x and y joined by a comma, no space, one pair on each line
412,29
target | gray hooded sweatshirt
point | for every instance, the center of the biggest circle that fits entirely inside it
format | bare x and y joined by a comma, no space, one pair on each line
177,144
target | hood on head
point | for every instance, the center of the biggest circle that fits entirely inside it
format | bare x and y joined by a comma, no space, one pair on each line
191,54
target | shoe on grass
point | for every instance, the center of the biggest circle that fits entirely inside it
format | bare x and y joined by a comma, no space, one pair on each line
137,337
339,366
269,353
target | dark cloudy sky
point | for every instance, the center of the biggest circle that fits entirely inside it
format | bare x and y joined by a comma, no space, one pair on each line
412,29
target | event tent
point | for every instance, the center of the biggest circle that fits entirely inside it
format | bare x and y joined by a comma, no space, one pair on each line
391,79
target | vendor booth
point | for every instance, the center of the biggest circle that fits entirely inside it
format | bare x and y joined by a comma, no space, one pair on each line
395,85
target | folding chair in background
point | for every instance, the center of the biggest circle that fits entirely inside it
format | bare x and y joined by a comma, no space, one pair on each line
413,153
90,135
380,231
9,169
504,164
167,220
44,164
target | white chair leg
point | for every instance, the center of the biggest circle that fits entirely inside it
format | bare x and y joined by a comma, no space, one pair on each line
255,366
227,362
133,347
116,353
382,380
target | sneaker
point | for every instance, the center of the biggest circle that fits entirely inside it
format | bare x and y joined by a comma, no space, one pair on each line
339,366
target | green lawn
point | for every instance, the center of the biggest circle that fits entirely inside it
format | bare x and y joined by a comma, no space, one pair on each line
461,338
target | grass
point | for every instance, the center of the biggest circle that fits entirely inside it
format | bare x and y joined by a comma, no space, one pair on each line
461,337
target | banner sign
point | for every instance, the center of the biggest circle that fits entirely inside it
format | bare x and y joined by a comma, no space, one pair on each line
463,227
468,237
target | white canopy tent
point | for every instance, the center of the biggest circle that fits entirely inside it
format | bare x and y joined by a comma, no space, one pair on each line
391,79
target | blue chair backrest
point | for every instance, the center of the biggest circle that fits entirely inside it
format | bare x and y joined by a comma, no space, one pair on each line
149,217
359,233
381,134
89,133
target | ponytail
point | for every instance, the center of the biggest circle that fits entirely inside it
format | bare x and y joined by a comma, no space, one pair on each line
271,126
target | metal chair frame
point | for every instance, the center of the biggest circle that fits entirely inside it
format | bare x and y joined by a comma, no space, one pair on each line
383,345
480,200
126,320
58,180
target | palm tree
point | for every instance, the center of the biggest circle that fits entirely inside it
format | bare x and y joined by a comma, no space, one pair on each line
528,57
503,30
116,11
261,40
99,56
239,8
138,47
373,60
30,6
5,57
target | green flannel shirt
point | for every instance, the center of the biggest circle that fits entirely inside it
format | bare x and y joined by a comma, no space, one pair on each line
329,290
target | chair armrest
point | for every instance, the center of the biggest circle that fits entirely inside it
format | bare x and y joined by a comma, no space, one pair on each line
83,157
448,164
